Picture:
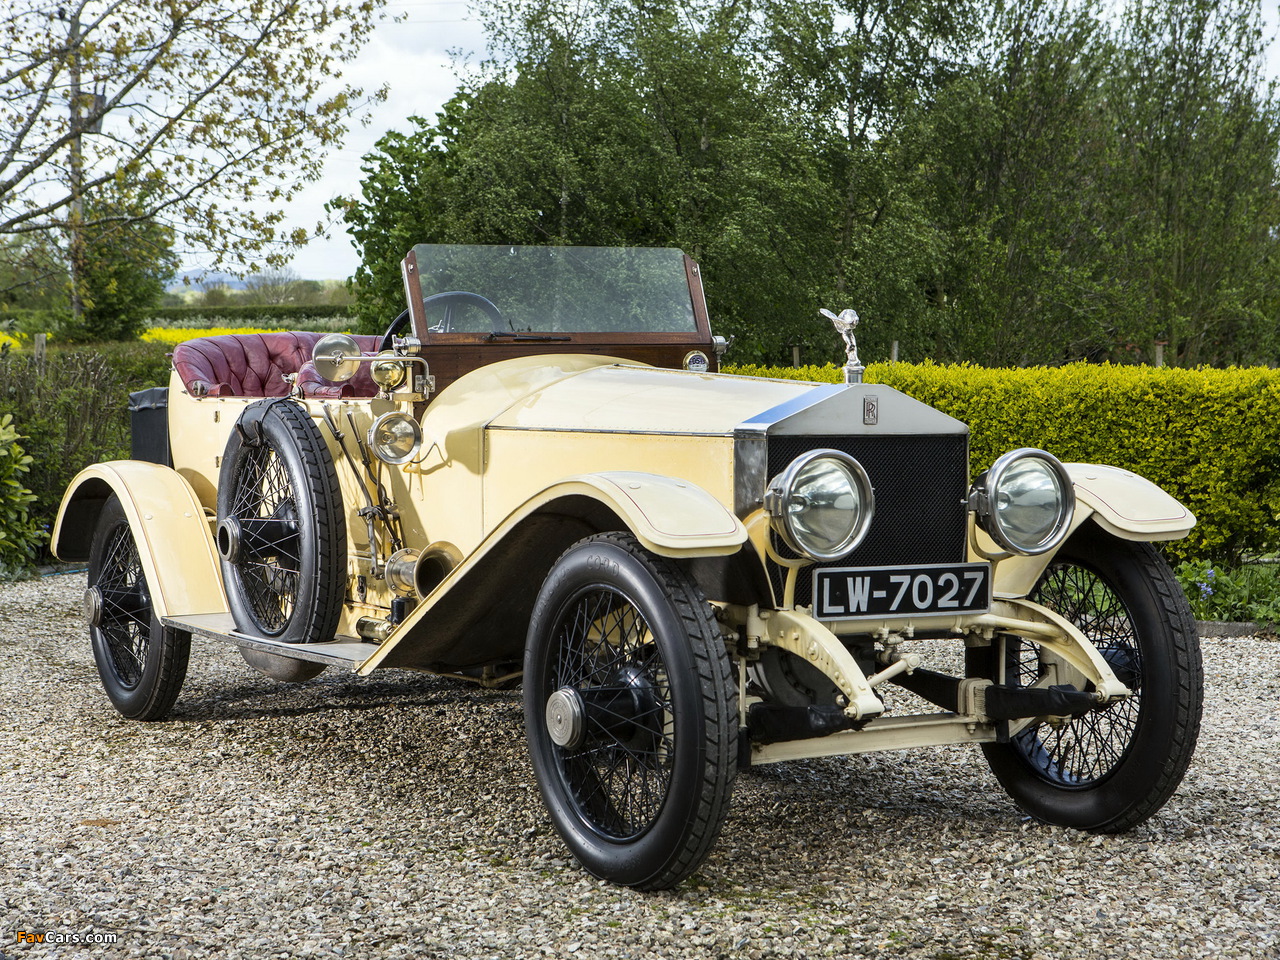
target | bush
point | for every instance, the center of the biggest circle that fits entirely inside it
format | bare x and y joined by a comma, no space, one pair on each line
73,410
277,316
1250,593
136,365
1209,437
21,535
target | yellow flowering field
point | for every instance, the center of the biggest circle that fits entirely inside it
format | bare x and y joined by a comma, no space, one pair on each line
172,336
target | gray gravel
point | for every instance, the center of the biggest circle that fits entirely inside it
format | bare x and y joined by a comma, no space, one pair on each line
397,816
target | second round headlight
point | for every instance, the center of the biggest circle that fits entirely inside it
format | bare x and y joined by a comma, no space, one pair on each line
821,505
395,438
1026,501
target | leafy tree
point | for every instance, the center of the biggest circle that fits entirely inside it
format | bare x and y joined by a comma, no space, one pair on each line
130,260
1018,144
1192,188
1008,183
219,108
624,125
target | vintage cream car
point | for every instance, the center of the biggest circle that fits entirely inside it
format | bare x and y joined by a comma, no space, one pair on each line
538,475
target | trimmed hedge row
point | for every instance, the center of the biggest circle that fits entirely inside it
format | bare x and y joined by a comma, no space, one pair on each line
279,315
1209,437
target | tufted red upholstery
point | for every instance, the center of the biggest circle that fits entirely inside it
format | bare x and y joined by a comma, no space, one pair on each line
254,364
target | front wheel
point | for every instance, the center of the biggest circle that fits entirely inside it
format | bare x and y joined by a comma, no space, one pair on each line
141,662
630,712
1112,768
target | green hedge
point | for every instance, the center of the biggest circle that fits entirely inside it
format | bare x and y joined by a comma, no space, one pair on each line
1209,437
249,315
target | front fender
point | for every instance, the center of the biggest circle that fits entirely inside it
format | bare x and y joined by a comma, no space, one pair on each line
175,543
1121,502
480,612
671,517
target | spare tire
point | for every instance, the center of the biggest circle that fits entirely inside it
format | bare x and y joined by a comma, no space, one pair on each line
281,540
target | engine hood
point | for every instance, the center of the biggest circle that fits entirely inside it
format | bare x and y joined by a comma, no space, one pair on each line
620,397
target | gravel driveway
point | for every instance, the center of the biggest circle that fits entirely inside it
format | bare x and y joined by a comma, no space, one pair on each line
397,816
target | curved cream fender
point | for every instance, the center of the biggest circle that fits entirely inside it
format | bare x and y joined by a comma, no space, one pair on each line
1121,502
175,543
669,516
673,518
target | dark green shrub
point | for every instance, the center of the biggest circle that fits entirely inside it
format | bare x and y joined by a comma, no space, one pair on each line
72,410
21,535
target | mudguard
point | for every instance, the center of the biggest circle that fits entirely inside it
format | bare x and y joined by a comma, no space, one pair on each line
1120,501
671,517
175,543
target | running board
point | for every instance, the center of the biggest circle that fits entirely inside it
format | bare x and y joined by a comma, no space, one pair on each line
345,651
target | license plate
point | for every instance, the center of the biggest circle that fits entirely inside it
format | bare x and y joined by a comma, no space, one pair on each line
891,592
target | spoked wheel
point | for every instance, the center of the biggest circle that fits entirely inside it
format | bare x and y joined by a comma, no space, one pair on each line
630,712
142,663
1115,766
280,536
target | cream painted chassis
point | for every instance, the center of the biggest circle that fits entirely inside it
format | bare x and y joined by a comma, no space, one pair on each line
510,443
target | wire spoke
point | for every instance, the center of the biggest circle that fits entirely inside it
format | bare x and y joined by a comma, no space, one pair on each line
126,611
1084,750
262,490
621,773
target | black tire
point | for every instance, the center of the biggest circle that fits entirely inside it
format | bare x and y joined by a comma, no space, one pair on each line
141,662
1112,768
281,538
285,669
641,790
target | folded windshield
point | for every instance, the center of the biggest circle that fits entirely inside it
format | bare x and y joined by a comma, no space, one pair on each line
554,289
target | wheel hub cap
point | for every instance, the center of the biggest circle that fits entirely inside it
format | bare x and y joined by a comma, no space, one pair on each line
566,718
93,606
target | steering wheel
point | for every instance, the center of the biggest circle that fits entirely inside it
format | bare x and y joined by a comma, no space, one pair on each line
448,300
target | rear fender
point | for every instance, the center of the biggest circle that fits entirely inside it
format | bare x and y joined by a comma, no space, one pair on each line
1120,502
175,543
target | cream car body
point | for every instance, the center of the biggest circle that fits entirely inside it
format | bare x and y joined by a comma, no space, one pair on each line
445,555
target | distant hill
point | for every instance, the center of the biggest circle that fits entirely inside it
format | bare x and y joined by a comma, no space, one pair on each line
198,279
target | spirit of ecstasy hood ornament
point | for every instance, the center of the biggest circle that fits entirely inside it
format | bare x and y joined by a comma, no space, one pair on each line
844,324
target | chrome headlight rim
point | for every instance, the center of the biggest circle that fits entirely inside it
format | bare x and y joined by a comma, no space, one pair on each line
780,492
983,495
394,459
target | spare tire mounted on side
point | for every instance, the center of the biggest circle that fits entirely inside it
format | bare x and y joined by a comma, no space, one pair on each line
280,537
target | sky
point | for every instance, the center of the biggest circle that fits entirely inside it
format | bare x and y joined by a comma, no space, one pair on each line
413,57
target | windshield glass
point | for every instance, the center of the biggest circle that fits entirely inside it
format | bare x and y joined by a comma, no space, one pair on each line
554,289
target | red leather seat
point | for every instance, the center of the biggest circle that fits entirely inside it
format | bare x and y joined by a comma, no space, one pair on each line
254,365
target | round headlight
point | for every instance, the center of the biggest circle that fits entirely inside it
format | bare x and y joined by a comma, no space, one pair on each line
395,438
1026,501
821,505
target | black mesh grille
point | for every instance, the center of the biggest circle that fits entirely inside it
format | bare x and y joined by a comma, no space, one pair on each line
920,483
